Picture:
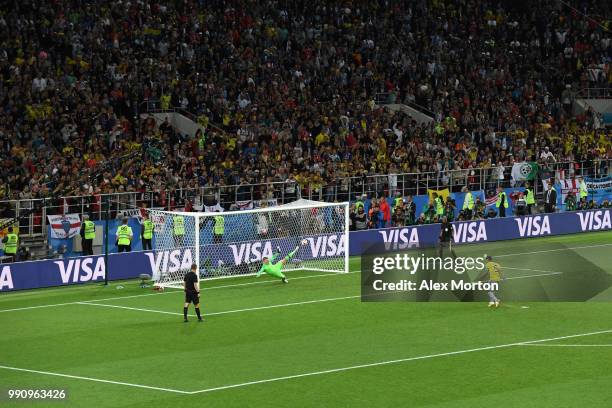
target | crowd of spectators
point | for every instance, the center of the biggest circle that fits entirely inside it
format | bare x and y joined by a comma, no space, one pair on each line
403,212
287,90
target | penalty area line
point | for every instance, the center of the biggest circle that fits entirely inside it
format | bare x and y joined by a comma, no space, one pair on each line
138,309
389,362
533,276
99,380
273,281
250,309
289,377
283,305
168,292
552,250
568,345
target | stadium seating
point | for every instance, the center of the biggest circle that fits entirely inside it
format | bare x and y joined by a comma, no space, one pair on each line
289,92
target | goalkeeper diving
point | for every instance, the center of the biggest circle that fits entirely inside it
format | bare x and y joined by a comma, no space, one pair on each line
275,269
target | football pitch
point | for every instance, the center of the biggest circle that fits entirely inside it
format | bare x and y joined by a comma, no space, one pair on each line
313,343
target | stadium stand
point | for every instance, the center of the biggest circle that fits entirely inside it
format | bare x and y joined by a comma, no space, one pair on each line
292,92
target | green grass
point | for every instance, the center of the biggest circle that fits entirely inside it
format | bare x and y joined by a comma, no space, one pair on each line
267,330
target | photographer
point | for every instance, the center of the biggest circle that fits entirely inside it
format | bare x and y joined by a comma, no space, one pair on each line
399,218
375,216
409,211
360,219
449,209
352,215
570,201
429,214
479,209
520,206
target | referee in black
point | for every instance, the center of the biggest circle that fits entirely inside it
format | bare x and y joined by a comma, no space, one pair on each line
192,292
446,235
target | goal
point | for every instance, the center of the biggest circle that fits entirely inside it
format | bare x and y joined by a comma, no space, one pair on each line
233,243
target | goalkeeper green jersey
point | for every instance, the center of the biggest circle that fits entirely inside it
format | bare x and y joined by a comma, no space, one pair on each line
270,268
275,269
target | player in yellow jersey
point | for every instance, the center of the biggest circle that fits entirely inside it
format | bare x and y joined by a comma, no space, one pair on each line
495,275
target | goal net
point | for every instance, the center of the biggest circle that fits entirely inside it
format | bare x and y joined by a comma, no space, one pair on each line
226,244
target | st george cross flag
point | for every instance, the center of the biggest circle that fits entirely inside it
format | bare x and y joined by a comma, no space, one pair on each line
64,226
566,186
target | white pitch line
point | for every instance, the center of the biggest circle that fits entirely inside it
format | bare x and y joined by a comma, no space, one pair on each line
164,293
388,362
334,370
531,270
128,308
301,277
533,276
283,305
36,307
253,283
306,302
77,302
553,250
96,302
568,345
78,377
276,281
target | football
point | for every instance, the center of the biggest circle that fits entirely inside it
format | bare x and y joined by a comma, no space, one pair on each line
304,241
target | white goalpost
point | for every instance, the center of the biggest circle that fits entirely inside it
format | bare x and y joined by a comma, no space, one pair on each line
233,243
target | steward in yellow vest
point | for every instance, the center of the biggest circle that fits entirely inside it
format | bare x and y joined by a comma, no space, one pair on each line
502,202
88,233
218,229
124,236
468,204
10,244
178,225
146,232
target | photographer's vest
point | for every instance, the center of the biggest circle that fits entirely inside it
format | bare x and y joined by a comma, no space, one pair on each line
468,202
439,206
